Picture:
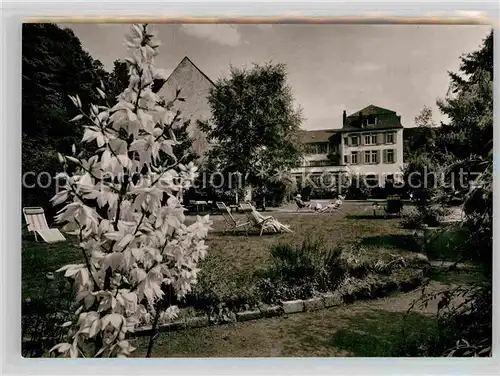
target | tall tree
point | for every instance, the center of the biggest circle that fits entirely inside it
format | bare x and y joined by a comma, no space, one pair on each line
118,79
254,123
469,105
54,65
465,144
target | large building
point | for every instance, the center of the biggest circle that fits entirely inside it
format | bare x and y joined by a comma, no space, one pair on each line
369,145
195,87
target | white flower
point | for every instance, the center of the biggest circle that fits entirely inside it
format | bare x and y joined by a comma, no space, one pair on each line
133,242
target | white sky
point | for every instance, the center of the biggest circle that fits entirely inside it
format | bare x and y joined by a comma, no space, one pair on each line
330,67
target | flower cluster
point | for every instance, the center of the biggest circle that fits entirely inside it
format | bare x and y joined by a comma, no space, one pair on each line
136,244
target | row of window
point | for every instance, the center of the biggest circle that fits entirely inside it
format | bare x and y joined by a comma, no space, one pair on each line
321,163
370,139
370,157
317,148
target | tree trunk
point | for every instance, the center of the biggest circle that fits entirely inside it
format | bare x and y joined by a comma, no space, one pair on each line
153,333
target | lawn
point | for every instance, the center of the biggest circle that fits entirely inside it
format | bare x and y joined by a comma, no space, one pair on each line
364,328
235,259
235,263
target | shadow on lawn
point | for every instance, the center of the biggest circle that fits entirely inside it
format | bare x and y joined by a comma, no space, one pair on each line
398,241
243,234
384,334
368,216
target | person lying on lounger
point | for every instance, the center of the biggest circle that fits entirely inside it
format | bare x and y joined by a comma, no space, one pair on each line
334,205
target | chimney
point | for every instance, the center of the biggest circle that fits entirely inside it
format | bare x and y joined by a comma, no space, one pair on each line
344,116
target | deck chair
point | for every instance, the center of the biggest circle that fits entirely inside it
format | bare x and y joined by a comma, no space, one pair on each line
308,206
261,222
333,206
37,223
228,217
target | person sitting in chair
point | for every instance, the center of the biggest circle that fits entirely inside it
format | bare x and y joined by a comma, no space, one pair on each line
309,205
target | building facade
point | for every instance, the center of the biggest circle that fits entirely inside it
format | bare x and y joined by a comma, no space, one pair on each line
368,145
194,88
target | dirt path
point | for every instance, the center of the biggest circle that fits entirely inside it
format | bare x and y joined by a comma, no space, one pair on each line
311,334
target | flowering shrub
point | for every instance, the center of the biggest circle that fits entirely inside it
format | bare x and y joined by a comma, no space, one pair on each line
125,205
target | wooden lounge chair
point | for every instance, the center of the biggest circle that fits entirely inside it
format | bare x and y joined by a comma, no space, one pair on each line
333,206
261,222
231,222
37,223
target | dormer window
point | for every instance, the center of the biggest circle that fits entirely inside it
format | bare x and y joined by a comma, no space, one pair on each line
370,120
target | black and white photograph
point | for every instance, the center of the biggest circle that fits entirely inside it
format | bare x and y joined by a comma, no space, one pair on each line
235,190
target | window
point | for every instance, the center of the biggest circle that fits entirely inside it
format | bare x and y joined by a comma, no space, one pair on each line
346,141
323,148
354,157
370,120
371,156
346,157
389,138
390,156
370,139
354,141
318,163
317,148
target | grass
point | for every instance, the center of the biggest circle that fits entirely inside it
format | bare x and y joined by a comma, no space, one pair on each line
364,328
383,334
234,262
38,259
237,259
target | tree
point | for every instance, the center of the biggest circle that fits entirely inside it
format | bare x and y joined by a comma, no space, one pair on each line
469,105
465,144
420,139
254,124
53,66
118,79
140,258
424,118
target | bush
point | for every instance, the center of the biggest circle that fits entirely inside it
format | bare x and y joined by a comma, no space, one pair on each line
418,218
297,272
43,315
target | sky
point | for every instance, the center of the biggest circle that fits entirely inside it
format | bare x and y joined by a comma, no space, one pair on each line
330,68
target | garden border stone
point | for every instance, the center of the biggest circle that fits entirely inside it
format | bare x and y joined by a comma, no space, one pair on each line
326,300
314,304
248,315
197,321
332,299
271,311
293,306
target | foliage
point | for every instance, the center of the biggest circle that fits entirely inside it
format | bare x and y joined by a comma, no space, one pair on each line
54,65
44,314
254,124
299,270
422,217
467,142
140,256
358,189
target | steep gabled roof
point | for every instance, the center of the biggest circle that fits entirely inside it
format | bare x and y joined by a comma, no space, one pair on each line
187,59
372,110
